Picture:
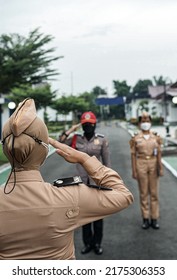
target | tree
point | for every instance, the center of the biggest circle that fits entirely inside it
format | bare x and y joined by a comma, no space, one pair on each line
74,104
25,61
141,87
161,81
98,91
64,105
143,105
42,95
89,98
121,88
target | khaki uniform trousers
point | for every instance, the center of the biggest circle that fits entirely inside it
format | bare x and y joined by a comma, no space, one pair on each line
148,182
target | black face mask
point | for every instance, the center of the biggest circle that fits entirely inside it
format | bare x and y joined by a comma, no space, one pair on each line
88,129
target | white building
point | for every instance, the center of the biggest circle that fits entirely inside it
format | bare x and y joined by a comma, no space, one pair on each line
159,103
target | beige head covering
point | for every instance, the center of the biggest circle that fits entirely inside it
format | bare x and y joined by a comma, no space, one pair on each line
25,138
144,114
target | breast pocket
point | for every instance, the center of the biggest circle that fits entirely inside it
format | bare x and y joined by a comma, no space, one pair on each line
140,146
80,147
72,212
96,150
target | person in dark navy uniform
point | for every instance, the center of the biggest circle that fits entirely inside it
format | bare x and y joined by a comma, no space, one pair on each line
94,145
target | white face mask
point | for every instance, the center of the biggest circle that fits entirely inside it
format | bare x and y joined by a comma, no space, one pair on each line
145,126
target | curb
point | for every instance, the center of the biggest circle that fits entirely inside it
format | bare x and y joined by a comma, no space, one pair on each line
169,167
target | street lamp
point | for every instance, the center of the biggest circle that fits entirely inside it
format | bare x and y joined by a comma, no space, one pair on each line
11,106
174,99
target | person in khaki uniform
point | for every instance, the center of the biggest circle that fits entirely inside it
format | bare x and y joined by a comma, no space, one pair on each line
37,219
146,169
93,144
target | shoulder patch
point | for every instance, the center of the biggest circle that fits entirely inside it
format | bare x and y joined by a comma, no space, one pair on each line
99,135
64,182
134,134
156,133
132,142
158,137
79,134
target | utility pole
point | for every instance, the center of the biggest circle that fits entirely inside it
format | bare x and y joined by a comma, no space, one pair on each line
167,125
165,102
72,87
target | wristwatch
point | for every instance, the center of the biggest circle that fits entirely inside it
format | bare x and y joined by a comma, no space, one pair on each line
64,133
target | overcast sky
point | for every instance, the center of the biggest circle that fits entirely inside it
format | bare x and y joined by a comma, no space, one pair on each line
101,40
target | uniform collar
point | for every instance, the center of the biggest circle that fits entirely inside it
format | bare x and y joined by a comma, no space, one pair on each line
150,134
26,176
91,139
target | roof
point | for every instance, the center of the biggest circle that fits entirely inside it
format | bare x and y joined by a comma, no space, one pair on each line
158,91
172,92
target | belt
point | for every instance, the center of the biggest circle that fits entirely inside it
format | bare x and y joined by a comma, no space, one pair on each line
145,157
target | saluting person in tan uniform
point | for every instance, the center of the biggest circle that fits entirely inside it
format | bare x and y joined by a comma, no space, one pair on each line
37,219
93,144
146,169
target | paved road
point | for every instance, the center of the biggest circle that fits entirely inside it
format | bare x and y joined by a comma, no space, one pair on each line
123,237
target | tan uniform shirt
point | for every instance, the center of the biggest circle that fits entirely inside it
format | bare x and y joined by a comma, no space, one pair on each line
146,163
145,147
37,220
97,146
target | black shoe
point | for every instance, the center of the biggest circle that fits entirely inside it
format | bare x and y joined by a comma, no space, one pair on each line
86,249
154,224
145,224
98,249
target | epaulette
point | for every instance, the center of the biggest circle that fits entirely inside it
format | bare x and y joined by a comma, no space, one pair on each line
79,134
70,181
134,134
76,180
156,133
99,135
